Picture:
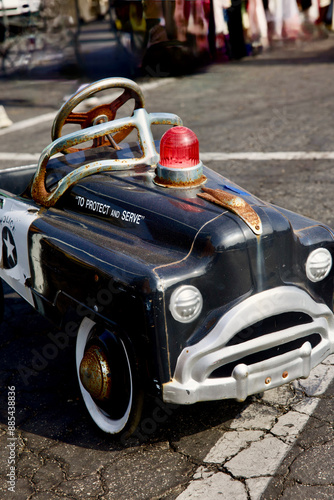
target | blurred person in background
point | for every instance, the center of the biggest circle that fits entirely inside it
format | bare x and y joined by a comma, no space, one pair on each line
315,17
284,20
258,26
237,43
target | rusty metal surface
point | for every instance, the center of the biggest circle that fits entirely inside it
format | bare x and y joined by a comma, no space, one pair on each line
140,120
236,204
169,183
95,373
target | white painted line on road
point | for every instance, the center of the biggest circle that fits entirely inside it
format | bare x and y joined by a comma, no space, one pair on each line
257,442
31,122
250,156
145,87
19,156
275,155
155,84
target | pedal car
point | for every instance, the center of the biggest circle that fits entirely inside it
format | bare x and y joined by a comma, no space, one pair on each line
175,280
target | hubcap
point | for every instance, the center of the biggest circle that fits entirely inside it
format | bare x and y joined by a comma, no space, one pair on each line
95,373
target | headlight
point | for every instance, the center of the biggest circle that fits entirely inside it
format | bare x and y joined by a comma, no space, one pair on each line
186,303
318,264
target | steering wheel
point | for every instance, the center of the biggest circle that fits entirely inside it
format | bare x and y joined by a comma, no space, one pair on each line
99,114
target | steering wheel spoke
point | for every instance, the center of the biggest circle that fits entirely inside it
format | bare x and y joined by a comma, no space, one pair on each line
99,141
106,140
77,118
120,100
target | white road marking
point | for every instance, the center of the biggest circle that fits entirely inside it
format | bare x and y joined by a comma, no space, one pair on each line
210,156
155,84
275,155
30,122
36,120
257,442
19,156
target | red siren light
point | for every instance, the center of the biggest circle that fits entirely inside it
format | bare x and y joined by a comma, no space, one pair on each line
179,148
179,164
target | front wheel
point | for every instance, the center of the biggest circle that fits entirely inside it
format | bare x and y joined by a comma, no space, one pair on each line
108,379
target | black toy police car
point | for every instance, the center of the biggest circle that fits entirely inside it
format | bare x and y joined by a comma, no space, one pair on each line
172,277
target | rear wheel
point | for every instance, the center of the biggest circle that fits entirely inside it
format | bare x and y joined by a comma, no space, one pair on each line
108,379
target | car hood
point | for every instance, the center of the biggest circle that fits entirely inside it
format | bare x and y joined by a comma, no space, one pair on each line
174,223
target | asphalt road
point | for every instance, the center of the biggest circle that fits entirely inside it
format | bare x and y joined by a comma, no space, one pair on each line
278,446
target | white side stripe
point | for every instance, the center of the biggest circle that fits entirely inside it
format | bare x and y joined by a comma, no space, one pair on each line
20,169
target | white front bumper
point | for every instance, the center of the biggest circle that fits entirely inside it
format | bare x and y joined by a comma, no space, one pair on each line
191,381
